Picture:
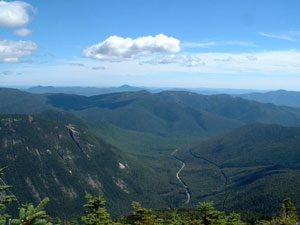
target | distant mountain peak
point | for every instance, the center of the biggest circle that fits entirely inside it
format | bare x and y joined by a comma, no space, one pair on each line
125,86
281,90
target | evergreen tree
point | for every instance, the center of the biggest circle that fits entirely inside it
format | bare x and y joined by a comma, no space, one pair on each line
234,219
30,215
177,220
288,209
288,215
4,199
209,215
96,213
142,216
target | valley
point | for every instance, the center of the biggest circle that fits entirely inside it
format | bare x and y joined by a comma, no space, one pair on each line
171,149
188,193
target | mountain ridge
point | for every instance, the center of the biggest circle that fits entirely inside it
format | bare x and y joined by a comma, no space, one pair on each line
279,97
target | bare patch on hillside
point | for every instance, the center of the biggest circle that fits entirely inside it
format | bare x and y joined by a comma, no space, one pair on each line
121,184
33,189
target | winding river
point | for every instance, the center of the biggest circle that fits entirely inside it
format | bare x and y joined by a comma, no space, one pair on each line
188,193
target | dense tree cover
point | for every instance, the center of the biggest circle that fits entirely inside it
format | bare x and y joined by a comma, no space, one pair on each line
96,214
250,169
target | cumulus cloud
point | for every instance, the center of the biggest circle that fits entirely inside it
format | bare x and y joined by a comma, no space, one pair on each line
118,48
23,32
16,13
13,51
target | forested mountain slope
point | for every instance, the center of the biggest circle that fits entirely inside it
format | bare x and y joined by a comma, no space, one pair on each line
62,161
16,101
246,111
253,167
174,112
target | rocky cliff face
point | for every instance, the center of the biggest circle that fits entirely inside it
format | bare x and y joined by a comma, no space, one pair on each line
58,160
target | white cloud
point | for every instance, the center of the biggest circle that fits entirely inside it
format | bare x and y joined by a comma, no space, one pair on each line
239,43
269,69
295,33
76,64
198,44
187,60
12,51
14,13
269,63
220,43
251,57
272,62
98,68
118,48
23,32
287,36
228,59
7,72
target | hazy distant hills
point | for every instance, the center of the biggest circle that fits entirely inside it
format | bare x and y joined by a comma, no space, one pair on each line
89,91
280,97
166,113
253,167
86,91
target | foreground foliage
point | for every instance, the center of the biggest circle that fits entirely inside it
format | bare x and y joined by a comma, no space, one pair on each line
96,214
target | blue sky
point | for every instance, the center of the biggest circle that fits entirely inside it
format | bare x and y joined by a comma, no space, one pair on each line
230,44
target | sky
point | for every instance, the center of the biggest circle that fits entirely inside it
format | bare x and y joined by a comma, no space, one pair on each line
159,43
